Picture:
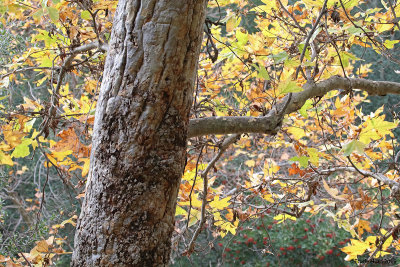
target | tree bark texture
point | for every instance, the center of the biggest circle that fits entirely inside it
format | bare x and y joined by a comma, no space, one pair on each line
140,132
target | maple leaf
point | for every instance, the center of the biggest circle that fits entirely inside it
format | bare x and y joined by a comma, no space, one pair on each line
357,248
353,146
220,204
376,128
363,225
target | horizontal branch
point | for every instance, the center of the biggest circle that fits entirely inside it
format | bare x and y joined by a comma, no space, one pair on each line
270,123
232,125
378,176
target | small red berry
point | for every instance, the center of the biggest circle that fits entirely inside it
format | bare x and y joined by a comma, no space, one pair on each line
224,255
244,236
308,221
315,243
290,248
227,249
242,262
306,229
269,227
321,258
220,244
307,250
282,248
329,252
224,182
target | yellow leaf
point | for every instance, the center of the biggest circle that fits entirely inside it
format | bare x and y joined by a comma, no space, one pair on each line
42,246
5,159
86,166
363,225
282,217
297,132
196,203
250,163
357,248
231,24
332,191
388,241
270,167
376,128
180,211
218,204
195,216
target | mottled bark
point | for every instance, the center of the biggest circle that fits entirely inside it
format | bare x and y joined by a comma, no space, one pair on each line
140,132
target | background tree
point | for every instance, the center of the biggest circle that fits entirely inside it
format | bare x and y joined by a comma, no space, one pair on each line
286,73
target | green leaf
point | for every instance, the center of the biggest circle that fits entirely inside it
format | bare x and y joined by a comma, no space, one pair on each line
86,15
390,43
354,145
346,56
280,57
307,53
53,13
303,160
288,86
37,14
305,107
262,72
242,37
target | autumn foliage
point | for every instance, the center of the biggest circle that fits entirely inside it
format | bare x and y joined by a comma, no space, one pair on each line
328,156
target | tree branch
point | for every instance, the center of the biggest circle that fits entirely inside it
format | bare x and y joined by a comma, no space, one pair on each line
270,123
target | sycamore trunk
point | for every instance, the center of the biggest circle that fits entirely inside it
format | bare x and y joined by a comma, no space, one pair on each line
140,132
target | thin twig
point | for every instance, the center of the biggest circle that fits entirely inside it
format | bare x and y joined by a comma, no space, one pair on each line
224,146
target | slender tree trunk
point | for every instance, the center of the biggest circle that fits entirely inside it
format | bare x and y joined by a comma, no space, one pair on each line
140,132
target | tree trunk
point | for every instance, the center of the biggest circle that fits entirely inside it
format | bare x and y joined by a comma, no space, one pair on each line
140,132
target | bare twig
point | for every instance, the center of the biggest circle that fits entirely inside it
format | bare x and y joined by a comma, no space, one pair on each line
224,146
